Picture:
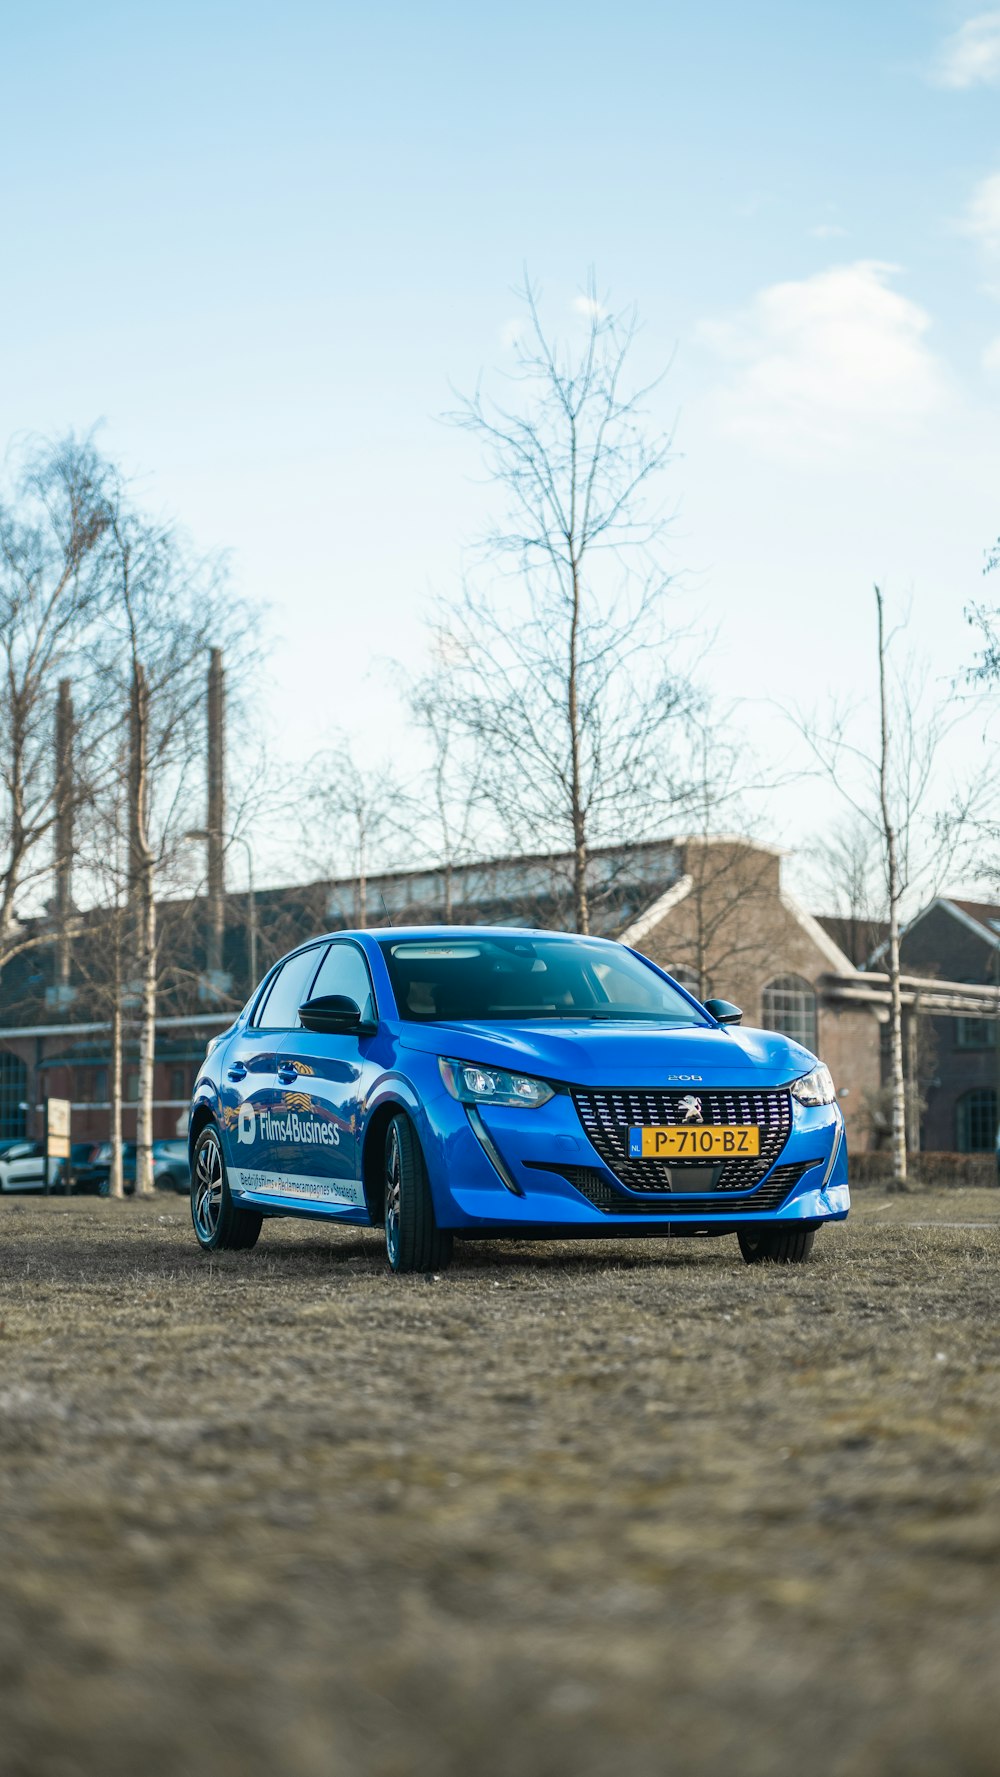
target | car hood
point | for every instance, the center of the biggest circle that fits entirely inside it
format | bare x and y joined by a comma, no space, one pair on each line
589,1054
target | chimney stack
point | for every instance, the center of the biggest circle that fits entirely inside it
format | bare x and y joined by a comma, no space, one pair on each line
216,811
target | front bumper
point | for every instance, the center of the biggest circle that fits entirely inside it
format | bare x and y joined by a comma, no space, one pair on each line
535,1172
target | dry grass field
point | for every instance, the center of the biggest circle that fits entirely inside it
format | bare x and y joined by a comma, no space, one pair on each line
570,1509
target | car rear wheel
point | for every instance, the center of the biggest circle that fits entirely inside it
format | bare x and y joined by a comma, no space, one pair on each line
219,1224
413,1240
776,1246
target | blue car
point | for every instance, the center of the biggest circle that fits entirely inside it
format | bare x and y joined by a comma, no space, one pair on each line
446,1082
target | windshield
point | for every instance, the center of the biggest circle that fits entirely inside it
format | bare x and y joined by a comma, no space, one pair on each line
473,980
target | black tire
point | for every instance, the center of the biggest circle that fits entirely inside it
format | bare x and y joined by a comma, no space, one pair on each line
165,1181
413,1240
219,1225
776,1246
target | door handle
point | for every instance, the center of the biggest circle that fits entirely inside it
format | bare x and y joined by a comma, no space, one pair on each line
288,1075
237,1071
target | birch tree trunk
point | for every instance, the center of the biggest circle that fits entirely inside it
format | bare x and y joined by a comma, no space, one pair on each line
116,1182
581,906
144,917
147,1044
897,1070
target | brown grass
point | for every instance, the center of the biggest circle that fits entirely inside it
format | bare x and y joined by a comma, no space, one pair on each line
577,1509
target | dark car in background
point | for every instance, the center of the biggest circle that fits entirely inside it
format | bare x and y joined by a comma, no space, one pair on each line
171,1166
102,1158
86,1171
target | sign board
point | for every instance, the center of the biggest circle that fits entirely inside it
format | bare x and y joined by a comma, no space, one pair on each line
57,1137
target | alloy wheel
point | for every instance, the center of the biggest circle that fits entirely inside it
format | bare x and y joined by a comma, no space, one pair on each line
207,1205
393,1181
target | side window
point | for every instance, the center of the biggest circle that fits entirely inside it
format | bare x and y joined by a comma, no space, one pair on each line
345,971
280,1009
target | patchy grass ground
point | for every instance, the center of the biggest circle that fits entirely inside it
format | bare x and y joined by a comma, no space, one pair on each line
583,1509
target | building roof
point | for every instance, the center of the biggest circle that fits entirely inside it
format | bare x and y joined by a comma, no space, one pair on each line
858,936
986,914
982,918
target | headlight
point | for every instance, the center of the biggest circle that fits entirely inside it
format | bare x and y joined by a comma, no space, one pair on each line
472,1084
815,1088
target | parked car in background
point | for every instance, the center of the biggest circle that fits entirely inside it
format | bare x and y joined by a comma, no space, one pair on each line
102,1158
22,1167
87,1172
171,1166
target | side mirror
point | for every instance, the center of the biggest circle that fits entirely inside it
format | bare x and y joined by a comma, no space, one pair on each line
332,1012
724,1012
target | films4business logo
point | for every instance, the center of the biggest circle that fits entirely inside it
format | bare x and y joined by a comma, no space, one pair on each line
294,1126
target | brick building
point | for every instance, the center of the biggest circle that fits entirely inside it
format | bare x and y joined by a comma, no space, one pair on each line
715,912
958,1064
728,927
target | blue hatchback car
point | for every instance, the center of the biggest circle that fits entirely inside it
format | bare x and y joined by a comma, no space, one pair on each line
446,1082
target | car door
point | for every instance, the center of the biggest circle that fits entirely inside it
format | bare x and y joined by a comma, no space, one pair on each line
252,1094
324,1075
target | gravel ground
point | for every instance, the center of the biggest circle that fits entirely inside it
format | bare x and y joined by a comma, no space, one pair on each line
589,1509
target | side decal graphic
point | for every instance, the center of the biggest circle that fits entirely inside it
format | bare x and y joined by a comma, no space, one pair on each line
252,1182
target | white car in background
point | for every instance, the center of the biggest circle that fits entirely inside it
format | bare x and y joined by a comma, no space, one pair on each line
22,1166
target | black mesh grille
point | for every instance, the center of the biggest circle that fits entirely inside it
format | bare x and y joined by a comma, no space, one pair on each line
604,1196
608,1116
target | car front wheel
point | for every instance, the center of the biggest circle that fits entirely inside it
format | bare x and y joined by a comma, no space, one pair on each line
776,1246
413,1240
219,1224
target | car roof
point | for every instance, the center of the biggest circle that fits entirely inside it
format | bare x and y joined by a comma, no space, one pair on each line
430,934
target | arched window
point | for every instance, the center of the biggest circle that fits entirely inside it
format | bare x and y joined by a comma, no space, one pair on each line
686,977
977,1121
788,1004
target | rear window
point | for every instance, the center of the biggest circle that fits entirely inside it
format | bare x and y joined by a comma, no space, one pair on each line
490,979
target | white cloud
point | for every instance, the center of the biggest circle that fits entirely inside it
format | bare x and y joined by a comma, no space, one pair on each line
982,214
830,360
827,231
511,332
991,356
589,306
972,56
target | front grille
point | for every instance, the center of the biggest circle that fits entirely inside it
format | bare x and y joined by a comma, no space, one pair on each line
604,1196
608,1116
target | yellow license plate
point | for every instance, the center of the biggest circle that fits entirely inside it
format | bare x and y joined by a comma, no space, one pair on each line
662,1143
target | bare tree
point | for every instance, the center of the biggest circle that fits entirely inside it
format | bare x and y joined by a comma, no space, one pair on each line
725,932
103,942
54,588
848,880
887,778
170,606
448,804
564,688
349,817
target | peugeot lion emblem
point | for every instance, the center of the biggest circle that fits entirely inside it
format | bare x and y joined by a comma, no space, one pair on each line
691,1108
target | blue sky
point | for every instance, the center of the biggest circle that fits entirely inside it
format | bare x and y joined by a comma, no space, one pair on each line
259,242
